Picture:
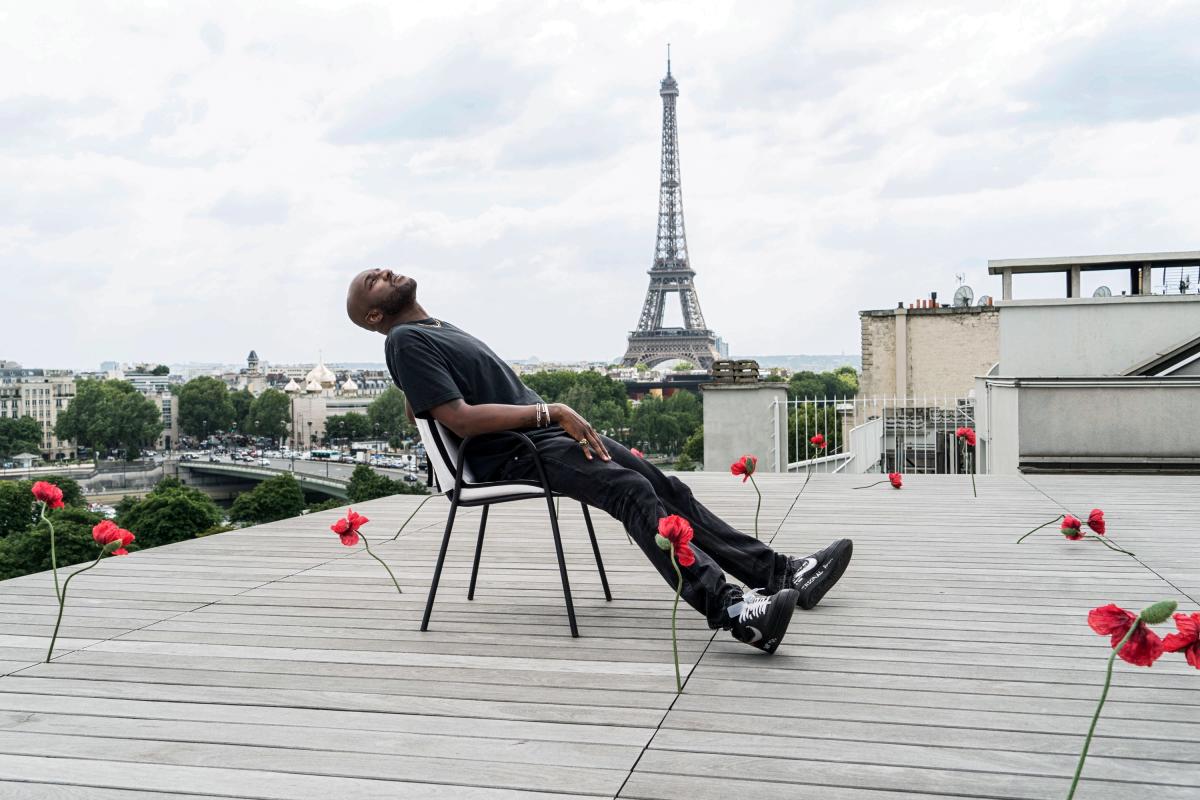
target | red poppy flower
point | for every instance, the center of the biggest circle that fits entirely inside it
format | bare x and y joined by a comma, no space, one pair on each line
348,526
107,532
744,466
818,441
1095,521
1187,640
897,479
968,434
678,531
1142,649
48,493
1071,528
637,452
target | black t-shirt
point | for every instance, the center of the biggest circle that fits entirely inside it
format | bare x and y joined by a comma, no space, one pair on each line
434,362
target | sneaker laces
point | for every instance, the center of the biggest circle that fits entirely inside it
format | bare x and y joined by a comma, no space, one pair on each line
753,605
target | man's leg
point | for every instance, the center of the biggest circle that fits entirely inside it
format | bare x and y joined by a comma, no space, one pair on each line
749,560
628,496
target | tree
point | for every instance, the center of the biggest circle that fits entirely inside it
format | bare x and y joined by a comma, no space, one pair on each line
841,382
685,463
19,510
346,427
205,407
171,512
19,435
16,507
693,448
367,484
161,369
664,425
242,401
598,398
29,550
274,499
387,416
270,414
110,414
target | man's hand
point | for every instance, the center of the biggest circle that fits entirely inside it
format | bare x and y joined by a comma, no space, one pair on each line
580,430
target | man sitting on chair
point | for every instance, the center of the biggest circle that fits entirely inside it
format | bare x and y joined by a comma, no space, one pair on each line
452,377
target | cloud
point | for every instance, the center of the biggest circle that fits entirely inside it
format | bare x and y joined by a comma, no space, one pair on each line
251,208
1140,67
213,37
836,156
459,95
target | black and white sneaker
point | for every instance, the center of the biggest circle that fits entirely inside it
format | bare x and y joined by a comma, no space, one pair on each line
813,576
764,618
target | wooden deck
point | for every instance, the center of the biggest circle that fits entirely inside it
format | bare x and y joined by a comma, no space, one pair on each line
274,663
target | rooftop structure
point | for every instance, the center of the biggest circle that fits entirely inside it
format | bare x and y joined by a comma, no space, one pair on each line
1140,266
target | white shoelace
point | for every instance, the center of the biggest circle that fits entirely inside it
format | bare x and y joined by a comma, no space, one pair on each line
753,604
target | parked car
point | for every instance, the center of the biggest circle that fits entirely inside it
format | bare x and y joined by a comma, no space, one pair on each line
264,462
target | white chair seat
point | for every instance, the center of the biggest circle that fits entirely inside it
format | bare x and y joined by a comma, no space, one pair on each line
487,491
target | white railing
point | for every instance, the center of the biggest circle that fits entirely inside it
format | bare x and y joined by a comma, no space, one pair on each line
879,434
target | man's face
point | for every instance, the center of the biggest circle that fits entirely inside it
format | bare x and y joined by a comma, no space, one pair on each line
377,294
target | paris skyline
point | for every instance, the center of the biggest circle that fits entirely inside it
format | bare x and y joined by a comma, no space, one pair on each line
177,188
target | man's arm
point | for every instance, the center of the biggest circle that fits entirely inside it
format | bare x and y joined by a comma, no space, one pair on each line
467,420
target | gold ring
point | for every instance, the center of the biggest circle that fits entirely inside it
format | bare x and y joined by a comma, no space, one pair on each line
583,442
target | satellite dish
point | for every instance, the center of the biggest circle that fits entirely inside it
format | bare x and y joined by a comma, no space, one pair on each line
985,299
963,296
1103,291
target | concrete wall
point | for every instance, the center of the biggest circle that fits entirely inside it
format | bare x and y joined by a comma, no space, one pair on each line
1134,420
927,352
739,419
1091,336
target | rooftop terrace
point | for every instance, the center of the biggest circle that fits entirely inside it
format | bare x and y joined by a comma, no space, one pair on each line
274,663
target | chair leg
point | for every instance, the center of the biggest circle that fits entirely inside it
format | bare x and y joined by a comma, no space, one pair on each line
478,553
437,571
587,517
562,566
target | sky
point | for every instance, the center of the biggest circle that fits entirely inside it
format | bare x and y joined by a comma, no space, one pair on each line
187,181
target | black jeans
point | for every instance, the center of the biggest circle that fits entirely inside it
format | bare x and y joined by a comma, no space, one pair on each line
639,494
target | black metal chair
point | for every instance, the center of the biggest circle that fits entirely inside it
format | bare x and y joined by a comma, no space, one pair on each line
447,457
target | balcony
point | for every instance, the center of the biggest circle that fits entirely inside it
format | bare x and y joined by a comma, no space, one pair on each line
274,663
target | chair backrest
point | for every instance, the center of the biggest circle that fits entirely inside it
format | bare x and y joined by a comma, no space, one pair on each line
441,448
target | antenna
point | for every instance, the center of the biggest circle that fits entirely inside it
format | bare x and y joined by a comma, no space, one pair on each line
668,59
962,277
1103,291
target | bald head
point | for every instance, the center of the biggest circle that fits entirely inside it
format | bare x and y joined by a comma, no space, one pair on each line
378,298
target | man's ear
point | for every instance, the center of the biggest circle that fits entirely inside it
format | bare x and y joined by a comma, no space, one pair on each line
374,316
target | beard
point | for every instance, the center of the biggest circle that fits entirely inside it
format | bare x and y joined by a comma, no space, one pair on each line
400,299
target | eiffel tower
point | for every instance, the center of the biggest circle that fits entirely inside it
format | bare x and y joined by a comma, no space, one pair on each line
651,343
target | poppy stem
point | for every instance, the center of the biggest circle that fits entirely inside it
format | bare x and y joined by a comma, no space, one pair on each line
1087,743
869,485
53,555
381,561
428,497
62,602
674,615
754,483
1039,527
1112,546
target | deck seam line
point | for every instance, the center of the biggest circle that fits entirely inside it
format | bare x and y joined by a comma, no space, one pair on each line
190,610
699,658
1151,569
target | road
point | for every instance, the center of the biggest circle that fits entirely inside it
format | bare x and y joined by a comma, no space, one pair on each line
326,468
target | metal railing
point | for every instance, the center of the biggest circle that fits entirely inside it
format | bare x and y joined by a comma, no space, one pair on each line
916,434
